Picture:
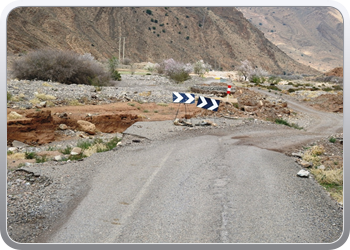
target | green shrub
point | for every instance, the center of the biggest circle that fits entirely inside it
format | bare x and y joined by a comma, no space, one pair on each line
30,155
332,140
65,67
256,79
9,96
149,12
337,87
116,76
84,144
67,150
112,64
327,89
41,159
273,87
274,79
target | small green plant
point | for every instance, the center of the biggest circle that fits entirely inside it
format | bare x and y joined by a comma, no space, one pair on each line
84,144
332,140
112,143
283,122
76,157
131,104
30,155
116,76
50,148
145,111
149,12
66,150
9,96
296,126
9,152
41,159
274,80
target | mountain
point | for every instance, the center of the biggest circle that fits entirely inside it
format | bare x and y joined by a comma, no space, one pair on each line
221,36
313,36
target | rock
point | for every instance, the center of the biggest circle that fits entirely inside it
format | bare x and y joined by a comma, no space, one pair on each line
87,127
58,158
250,108
76,151
19,144
63,115
62,126
322,167
42,104
27,164
303,173
305,164
177,122
14,115
13,149
299,155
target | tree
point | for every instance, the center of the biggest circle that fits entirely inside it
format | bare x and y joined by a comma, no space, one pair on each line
245,69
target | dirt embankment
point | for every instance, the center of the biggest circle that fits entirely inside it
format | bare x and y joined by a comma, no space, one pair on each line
38,127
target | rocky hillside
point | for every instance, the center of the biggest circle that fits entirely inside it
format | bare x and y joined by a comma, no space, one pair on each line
313,36
219,36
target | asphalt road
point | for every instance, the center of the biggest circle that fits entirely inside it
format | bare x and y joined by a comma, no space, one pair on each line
206,186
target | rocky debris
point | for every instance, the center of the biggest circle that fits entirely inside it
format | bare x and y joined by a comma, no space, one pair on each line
206,123
182,122
217,89
329,102
87,127
335,72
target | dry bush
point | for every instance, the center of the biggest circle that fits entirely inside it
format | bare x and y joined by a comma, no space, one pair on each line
94,149
317,150
334,177
60,66
44,97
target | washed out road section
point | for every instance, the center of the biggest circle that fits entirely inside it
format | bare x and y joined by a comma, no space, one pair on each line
201,188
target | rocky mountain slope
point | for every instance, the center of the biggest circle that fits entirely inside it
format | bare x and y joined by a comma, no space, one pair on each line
220,36
313,36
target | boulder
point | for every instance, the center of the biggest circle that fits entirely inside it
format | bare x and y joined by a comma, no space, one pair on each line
87,127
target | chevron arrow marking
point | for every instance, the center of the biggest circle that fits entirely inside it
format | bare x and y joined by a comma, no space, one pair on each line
201,102
208,103
215,104
183,97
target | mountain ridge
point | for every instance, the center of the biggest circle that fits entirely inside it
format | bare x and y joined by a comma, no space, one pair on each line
221,36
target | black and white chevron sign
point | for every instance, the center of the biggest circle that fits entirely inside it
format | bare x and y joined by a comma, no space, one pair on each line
183,97
208,103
